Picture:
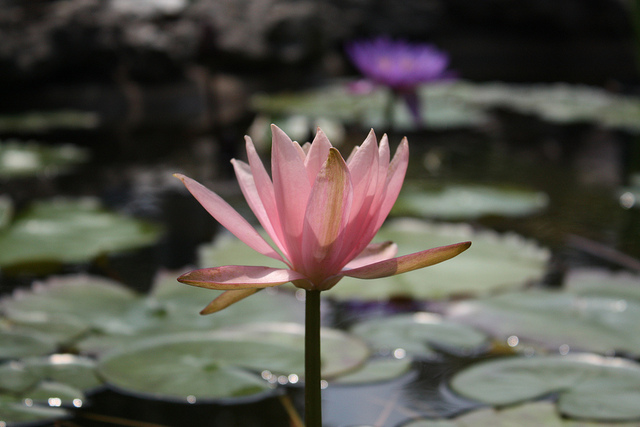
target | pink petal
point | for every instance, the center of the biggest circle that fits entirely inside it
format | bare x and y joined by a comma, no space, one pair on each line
226,299
228,217
265,190
317,155
407,263
232,277
395,178
326,217
373,253
251,195
290,190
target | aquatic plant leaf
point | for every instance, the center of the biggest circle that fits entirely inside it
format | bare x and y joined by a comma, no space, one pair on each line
494,262
22,159
15,378
376,370
201,365
45,391
6,211
15,411
74,371
16,345
556,103
527,415
66,231
91,300
596,312
420,335
340,352
587,386
370,109
458,201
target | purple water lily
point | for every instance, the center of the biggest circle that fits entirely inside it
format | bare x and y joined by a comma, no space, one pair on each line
400,65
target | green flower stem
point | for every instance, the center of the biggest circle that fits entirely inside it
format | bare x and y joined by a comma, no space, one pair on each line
312,387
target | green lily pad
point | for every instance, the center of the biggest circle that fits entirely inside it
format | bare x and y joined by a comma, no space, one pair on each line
419,335
94,301
74,371
459,201
16,345
494,262
225,364
198,366
534,414
376,370
339,102
14,411
16,378
21,159
558,103
65,231
587,386
42,121
340,352
597,312
6,211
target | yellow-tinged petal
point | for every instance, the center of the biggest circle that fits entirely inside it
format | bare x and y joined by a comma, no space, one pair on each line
326,216
227,298
407,263
229,277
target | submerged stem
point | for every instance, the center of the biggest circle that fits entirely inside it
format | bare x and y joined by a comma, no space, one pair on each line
312,388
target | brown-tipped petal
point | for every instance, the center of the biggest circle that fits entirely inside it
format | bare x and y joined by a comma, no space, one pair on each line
227,298
407,263
232,277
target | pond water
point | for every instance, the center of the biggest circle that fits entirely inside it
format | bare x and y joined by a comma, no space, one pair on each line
581,168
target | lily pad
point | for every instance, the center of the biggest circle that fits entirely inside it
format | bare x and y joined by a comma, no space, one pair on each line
376,370
370,109
6,211
65,231
42,121
528,415
587,386
597,313
15,411
21,159
94,301
74,371
419,335
558,103
494,262
457,201
340,352
16,345
226,364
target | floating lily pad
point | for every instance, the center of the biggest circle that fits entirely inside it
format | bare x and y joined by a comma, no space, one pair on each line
20,159
459,201
559,103
225,364
340,352
587,386
74,371
494,262
370,109
15,411
16,345
6,211
94,301
41,121
64,231
376,370
528,415
597,312
419,335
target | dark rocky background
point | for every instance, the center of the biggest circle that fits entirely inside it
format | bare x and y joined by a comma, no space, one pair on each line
122,57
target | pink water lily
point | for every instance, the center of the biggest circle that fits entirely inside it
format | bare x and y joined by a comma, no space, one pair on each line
320,211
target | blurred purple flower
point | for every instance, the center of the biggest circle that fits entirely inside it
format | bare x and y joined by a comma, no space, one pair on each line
400,65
